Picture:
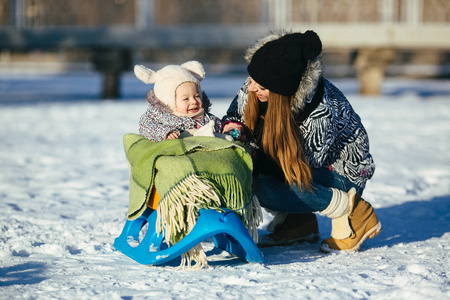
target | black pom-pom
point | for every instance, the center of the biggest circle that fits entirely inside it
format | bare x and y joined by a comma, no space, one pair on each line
312,44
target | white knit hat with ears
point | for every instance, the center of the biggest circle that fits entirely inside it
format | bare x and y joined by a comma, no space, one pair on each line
169,78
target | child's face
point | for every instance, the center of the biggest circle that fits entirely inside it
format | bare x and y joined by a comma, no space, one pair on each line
187,98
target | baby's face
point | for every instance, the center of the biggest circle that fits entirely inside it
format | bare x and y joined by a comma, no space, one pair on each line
187,98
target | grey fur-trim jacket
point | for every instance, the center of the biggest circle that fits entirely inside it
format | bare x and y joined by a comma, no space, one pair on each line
158,121
331,131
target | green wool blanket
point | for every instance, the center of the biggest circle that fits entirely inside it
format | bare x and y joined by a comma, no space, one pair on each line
189,174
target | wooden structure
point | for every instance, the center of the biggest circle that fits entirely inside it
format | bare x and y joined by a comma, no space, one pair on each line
113,29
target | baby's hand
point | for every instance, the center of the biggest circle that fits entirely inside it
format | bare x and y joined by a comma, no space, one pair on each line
172,135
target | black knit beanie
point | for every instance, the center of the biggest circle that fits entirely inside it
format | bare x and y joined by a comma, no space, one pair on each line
279,65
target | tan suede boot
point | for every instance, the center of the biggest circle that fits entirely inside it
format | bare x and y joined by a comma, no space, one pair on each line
364,224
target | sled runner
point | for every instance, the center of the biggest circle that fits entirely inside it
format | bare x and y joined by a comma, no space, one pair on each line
226,230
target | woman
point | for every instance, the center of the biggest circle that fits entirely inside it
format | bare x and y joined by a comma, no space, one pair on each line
312,151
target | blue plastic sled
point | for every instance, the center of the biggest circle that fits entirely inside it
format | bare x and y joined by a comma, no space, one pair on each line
226,229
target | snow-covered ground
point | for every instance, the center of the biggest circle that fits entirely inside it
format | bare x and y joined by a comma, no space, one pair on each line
63,200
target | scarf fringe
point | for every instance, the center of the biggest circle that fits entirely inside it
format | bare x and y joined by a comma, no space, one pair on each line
178,211
196,254
254,218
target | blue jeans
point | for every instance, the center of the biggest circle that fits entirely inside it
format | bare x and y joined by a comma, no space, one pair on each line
280,196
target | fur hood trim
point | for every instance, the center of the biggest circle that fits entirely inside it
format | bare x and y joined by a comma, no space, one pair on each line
310,78
154,102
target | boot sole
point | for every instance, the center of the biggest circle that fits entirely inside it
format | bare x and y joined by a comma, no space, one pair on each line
373,232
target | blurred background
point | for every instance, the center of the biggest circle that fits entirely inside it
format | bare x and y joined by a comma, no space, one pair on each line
369,40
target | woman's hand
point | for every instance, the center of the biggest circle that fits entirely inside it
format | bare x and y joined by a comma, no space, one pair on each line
172,135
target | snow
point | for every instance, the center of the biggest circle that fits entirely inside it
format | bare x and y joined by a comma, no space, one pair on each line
64,197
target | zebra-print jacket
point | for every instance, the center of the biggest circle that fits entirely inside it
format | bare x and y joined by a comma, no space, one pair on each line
331,131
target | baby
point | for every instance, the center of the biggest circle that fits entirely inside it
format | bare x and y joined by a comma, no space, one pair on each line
177,106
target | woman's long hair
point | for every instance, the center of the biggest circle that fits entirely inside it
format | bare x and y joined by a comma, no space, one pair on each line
280,137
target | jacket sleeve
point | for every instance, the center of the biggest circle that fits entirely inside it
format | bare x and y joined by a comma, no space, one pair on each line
235,112
334,137
217,123
232,113
153,130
